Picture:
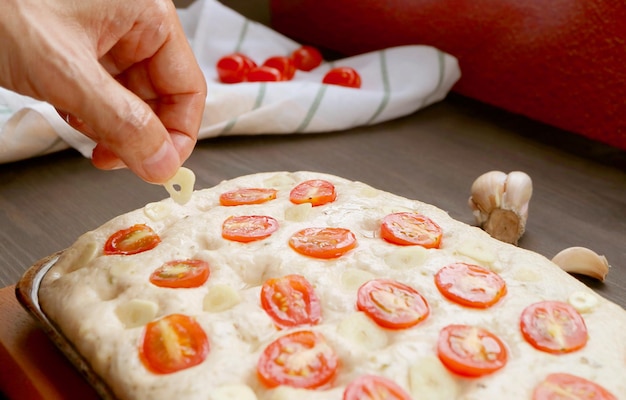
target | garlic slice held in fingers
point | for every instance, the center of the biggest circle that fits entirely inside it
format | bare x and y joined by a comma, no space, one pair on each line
583,261
499,202
180,186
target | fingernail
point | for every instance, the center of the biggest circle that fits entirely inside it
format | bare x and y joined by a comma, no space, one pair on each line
162,165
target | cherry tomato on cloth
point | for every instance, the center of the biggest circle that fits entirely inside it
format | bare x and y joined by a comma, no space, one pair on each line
307,58
561,386
343,76
283,64
470,285
291,301
554,327
173,343
243,196
181,274
264,74
323,242
234,68
471,351
315,191
301,359
133,240
373,387
407,228
392,304
248,228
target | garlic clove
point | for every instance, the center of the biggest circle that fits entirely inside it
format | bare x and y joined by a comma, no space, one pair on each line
487,191
517,193
583,261
499,203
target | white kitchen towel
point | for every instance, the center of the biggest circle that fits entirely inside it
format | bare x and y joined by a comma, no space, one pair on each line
395,82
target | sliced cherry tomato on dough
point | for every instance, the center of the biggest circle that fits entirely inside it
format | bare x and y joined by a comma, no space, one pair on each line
373,387
181,274
284,65
392,304
291,301
343,76
315,191
562,386
471,351
470,285
133,240
554,327
323,242
234,68
264,74
173,343
243,196
307,58
301,359
248,228
408,228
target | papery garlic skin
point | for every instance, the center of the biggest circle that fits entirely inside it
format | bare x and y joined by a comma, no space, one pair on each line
499,202
486,194
583,261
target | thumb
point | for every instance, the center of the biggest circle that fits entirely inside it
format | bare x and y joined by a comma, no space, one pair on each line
127,132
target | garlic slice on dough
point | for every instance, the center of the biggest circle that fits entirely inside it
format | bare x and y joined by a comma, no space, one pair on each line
180,186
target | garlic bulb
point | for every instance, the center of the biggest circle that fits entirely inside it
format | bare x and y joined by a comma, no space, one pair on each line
499,202
581,260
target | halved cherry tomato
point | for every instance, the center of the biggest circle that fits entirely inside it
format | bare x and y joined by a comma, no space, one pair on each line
301,359
181,274
373,387
408,228
471,351
392,304
243,196
470,285
234,68
562,386
323,242
307,58
283,64
315,191
248,228
173,343
554,327
291,301
343,76
264,74
133,240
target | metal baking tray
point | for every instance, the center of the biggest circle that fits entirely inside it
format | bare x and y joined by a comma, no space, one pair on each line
27,293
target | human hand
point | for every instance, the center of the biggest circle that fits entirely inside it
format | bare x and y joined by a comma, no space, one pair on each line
121,72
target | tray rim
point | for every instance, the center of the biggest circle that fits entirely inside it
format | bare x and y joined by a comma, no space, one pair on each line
27,294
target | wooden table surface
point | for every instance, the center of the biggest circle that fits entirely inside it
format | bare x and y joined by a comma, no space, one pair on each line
433,155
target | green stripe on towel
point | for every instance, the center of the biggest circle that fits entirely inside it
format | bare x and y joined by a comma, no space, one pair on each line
257,103
441,59
387,91
242,36
260,95
315,105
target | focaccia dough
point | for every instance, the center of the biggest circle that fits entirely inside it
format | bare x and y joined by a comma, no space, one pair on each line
101,303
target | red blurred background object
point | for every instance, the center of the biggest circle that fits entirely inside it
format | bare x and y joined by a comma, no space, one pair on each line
561,62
